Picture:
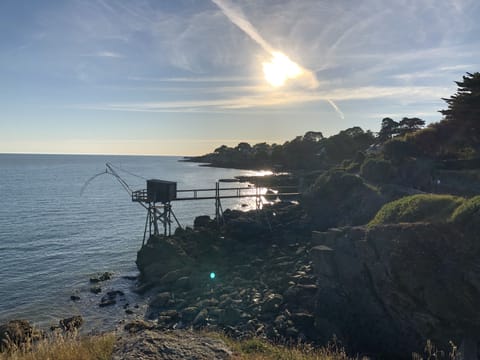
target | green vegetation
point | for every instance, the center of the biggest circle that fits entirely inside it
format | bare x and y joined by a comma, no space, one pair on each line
468,209
418,208
338,198
308,152
65,347
377,170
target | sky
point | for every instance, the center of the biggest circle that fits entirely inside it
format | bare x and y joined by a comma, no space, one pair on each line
182,77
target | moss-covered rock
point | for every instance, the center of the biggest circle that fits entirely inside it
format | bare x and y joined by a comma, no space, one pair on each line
431,208
468,211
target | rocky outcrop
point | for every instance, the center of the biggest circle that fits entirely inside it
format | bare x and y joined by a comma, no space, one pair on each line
147,343
258,281
390,288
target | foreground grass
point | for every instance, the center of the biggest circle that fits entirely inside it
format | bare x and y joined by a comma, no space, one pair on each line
259,349
72,347
63,347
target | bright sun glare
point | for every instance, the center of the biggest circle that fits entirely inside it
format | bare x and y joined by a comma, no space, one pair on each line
280,69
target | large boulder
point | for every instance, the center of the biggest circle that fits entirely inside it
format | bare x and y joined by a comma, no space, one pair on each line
390,288
149,344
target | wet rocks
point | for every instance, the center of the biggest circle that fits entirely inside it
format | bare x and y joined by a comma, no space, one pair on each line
110,298
101,277
96,289
69,324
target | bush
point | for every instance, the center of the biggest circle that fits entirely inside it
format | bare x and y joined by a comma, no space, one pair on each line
418,208
398,150
377,170
464,213
338,198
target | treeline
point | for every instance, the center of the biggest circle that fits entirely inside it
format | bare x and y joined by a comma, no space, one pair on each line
310,151
456,136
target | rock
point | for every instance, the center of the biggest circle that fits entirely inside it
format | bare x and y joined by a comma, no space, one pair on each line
201,318
95,289
183,283
230,316
200,222
370,279
272,303
169,345
171,277
110,298
160,300
291,332
71,323
101,277
138,325
75,298
15,334
189,313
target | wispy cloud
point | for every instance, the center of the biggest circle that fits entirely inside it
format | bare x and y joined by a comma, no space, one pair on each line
104,54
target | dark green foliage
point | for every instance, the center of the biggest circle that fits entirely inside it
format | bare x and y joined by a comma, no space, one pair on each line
399,149
464,105
308,152
338,198
377,170
346,144
468,211
408,125
388,130
418,208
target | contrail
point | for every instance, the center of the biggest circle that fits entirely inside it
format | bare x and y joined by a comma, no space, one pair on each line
236,16
337,109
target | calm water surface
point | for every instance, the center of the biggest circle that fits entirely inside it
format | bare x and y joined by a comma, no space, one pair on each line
53,238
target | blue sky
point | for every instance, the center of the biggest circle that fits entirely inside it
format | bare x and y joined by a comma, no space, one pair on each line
185,76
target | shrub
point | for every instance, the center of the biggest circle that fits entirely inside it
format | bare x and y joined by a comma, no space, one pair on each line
467,210
398,150
377,170
418,208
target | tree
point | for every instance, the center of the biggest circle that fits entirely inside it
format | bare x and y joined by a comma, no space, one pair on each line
388,130
408,125
464,105
313,136
464,109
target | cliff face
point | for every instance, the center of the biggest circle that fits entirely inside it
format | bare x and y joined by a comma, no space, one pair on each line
390,288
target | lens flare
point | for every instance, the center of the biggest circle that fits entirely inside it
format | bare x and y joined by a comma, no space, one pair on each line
280,69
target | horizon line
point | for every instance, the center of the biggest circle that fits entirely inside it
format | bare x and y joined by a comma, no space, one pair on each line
91,154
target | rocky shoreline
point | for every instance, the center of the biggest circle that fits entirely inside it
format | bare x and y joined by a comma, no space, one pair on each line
381,291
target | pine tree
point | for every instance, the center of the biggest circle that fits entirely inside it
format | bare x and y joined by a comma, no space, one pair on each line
464,105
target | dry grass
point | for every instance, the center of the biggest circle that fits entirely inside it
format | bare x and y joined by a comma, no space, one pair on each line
259,349
66,347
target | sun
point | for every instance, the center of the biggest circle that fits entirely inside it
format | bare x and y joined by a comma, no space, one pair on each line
280,69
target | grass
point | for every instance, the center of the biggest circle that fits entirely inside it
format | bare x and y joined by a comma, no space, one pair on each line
432,208
467,210
66,347
260,349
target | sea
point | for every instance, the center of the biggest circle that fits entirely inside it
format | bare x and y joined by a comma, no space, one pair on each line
63,220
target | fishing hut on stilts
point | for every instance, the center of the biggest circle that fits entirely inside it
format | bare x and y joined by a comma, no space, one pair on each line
157,199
